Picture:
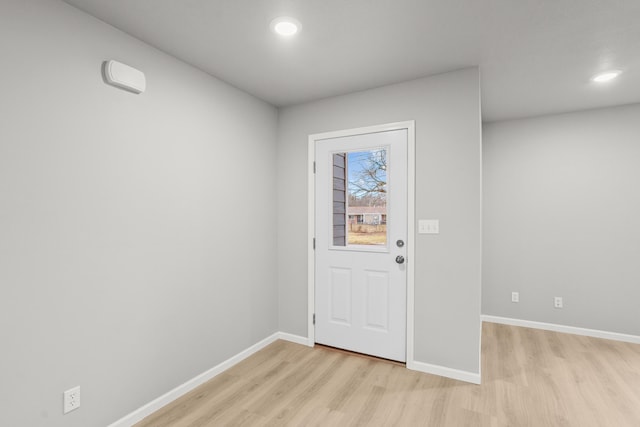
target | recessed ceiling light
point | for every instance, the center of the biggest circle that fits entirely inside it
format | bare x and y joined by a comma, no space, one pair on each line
606,76
285,26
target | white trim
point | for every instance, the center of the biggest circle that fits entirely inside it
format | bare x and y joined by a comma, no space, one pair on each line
311,234
295,339
179,391
480,350
410,125
635,339
363,130
456,374
480,222
151,407
411,234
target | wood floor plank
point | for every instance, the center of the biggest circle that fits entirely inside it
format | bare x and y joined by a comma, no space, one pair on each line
529,378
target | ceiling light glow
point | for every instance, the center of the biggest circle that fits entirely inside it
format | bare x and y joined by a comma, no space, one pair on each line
285,26
606,77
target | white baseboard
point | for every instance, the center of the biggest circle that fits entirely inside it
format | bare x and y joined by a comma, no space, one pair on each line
562,328
443,371
151,407
295,339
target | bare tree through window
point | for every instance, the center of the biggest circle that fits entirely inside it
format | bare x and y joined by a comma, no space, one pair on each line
367,201
368,178
360,197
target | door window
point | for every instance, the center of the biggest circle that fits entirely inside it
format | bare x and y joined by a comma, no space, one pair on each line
360,198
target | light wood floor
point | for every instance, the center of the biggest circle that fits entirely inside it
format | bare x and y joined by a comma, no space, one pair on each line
529,378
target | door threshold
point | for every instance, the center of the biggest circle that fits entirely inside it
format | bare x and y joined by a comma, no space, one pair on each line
362,355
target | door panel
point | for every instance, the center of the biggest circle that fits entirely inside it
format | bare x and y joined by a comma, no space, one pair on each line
361,211
340,296
377,298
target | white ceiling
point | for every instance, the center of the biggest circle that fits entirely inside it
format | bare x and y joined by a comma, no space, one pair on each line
535,56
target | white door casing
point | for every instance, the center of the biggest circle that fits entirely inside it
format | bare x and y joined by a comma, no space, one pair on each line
362,298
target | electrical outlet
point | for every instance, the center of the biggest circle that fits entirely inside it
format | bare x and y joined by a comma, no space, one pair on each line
515,297
71,399
557,302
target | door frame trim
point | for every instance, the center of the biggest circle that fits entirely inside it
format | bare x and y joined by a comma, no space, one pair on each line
409,125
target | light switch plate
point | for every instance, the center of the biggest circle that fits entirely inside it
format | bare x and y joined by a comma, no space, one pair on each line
429,226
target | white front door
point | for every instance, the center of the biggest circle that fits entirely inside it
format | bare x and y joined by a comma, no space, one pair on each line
361,243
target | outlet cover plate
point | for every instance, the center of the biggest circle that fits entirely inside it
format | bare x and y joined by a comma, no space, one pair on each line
71,399
557,302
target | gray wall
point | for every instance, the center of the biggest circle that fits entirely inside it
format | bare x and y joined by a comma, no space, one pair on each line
446,109
137,240
562,218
